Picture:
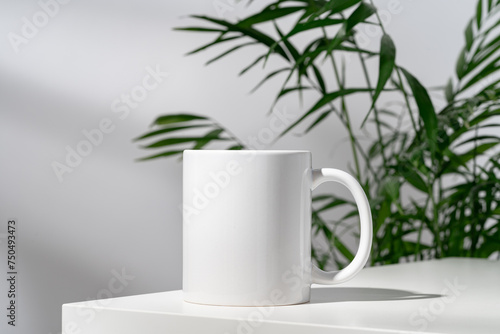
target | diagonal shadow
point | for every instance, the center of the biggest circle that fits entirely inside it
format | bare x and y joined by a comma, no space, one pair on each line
339,294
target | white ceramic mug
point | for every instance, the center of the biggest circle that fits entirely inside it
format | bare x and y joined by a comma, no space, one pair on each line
247,227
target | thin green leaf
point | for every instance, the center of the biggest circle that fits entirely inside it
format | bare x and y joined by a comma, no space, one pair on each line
228,52
360,14
460,66
283,88
338,6
170,129
469,36
268,14
252,64
177,118
384,124
318,198
483,53
215,42
476,151
292,89
390,188
181,140
319,79
463,159
412,177
477,138
205,140
301,27
269,76
387,60
425,108
488,69
479,13
333,7
331,205
247,31
381,215
448,91
353,213
342,248
198,29
318,120
482,117
327,98
292,49
340,37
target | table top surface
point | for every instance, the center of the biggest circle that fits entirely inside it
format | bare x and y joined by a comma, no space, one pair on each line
441,296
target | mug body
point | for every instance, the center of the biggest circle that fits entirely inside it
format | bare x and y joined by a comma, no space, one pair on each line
246,227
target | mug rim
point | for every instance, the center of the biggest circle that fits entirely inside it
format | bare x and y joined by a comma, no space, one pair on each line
247,151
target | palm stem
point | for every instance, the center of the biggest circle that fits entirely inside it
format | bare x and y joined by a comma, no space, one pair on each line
398,73
375,110
345,113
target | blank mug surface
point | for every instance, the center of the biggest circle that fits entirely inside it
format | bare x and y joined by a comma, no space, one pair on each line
247,227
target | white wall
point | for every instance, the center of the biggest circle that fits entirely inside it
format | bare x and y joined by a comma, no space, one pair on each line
111,213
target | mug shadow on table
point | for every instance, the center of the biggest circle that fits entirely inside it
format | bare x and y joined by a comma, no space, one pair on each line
339,294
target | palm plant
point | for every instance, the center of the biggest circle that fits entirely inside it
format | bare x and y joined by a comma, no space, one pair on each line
432,177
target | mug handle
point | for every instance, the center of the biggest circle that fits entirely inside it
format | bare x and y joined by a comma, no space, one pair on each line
319,276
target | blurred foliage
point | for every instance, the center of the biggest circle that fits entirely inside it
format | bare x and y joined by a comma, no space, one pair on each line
431,176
